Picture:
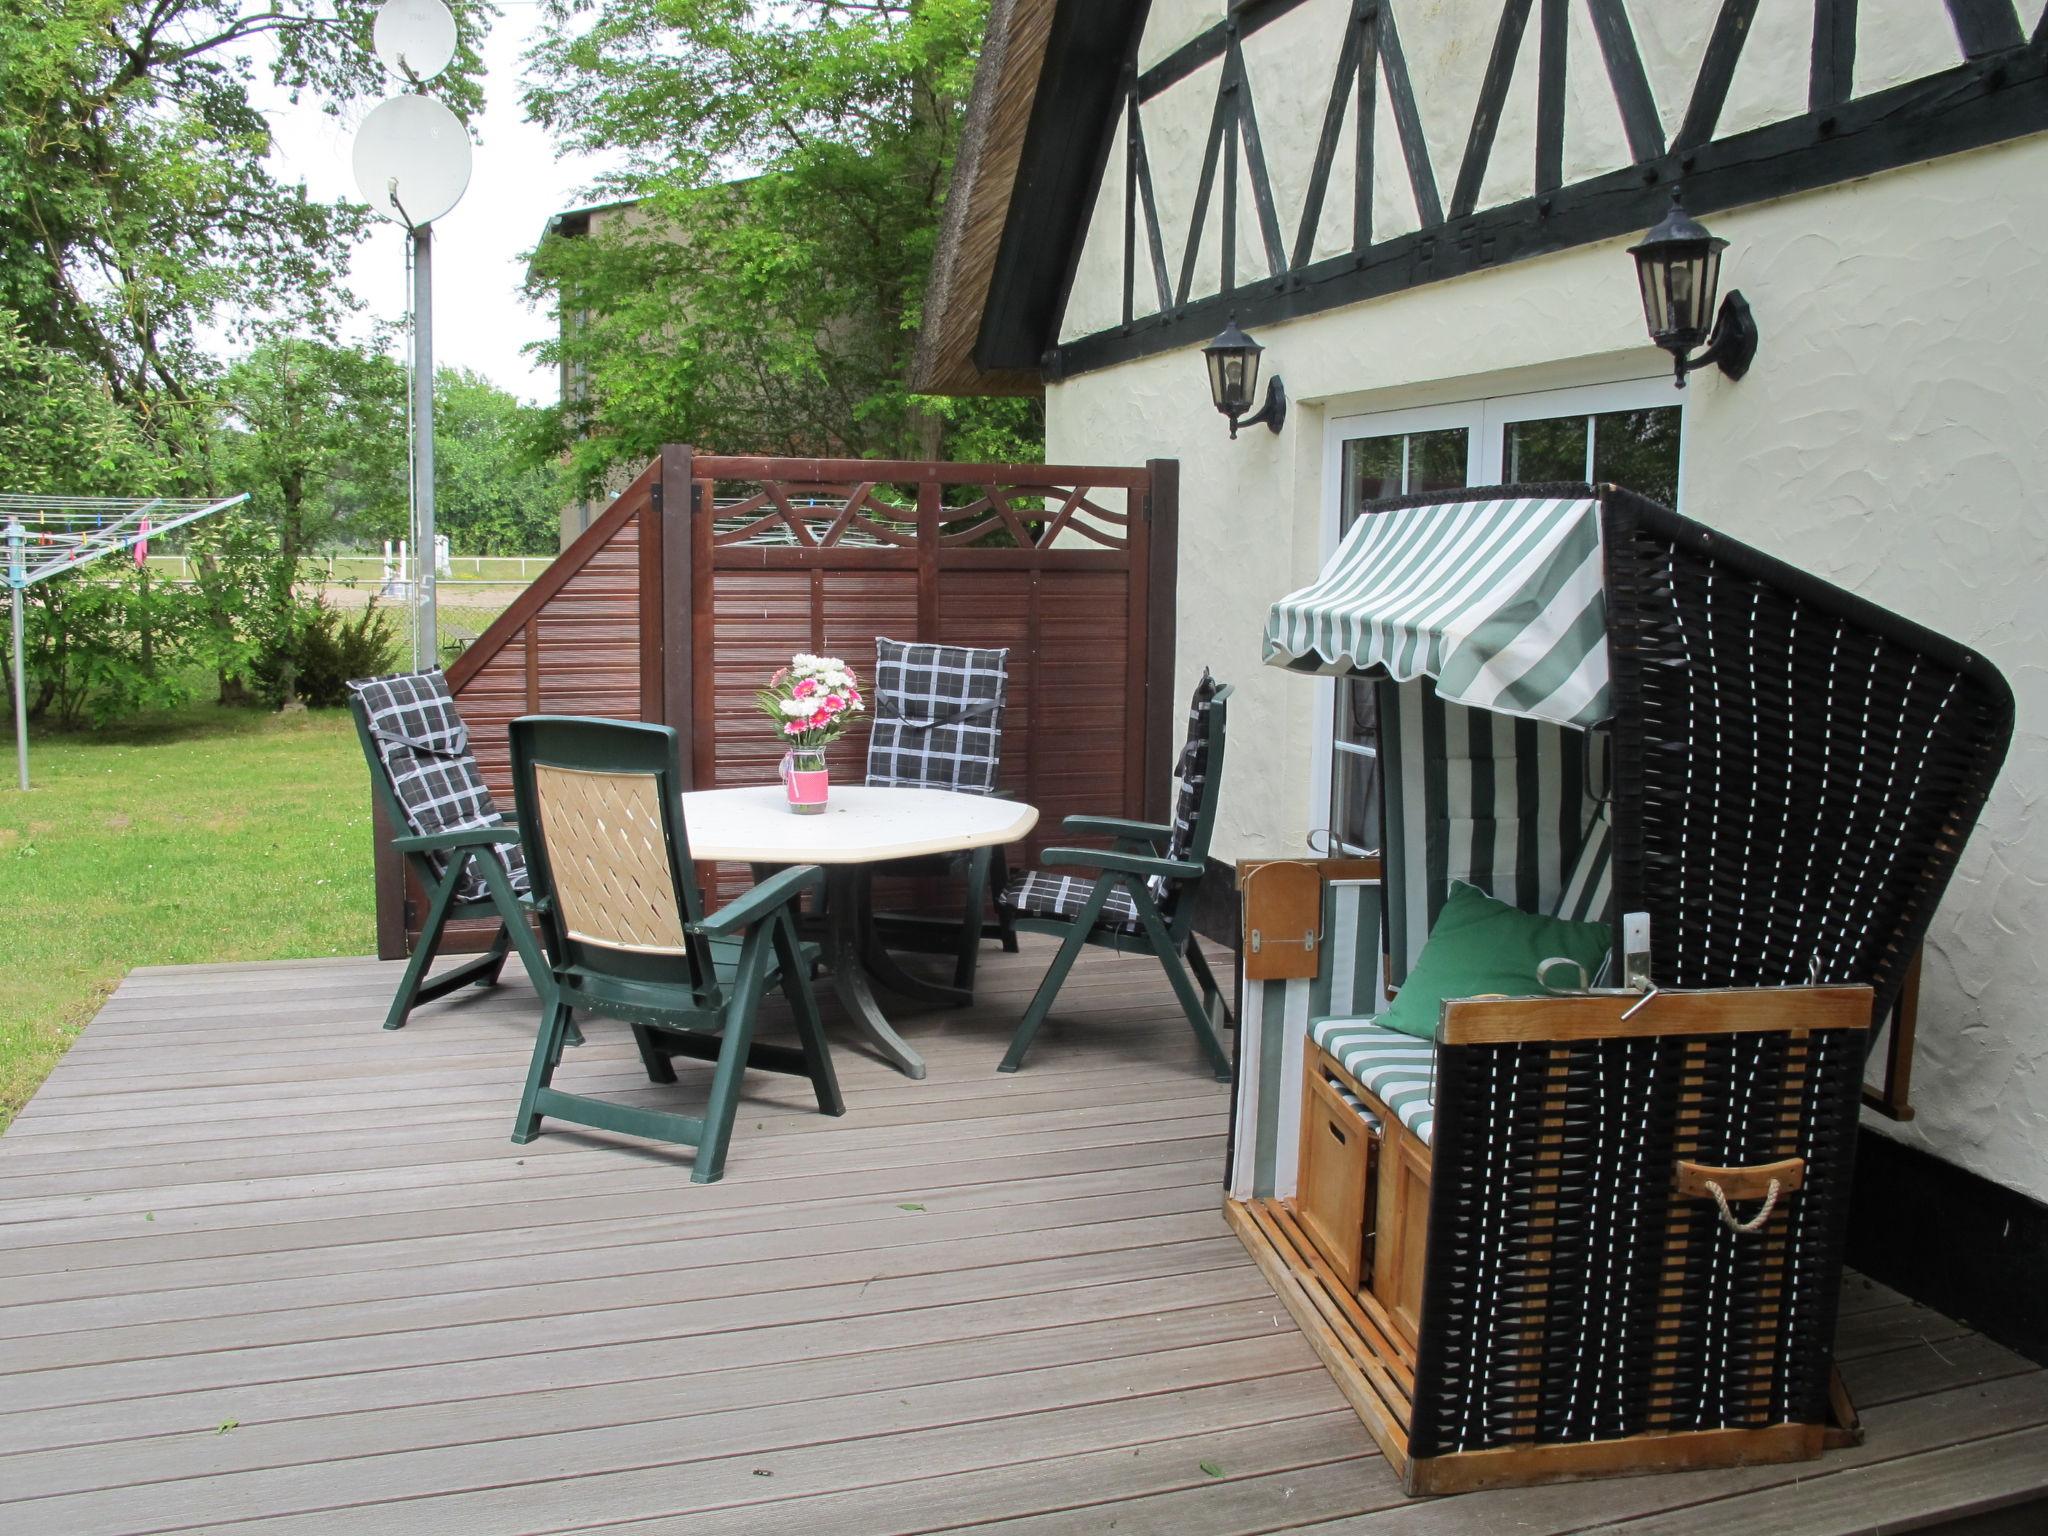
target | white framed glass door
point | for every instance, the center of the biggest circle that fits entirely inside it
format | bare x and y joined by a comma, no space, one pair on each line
1630,433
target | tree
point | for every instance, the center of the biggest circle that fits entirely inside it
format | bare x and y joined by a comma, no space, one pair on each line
490,496
136,206
314,431
777,312
139,219
315,434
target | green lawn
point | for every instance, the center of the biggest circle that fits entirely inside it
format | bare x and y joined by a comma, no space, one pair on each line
204,835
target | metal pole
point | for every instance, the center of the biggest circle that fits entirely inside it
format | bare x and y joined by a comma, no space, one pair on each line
426,634
18,587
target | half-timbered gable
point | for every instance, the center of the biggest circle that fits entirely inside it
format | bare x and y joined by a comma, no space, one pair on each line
1279,157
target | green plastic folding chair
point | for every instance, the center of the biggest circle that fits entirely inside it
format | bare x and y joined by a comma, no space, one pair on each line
1141,898
601,812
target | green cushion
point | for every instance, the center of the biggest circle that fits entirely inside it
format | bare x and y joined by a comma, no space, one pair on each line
1482,946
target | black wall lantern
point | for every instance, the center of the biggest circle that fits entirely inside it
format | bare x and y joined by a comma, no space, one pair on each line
1679,266
1233,360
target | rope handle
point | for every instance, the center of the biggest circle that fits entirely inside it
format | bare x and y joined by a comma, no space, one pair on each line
1766,1182
1755,1223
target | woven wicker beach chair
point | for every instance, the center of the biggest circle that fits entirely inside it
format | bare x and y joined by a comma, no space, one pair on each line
1141,896
600,806
938,724
1595,1229
453,839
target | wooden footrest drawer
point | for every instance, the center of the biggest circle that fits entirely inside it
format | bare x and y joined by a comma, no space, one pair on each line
1340,1142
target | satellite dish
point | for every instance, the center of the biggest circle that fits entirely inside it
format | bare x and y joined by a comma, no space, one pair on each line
412,160
414,39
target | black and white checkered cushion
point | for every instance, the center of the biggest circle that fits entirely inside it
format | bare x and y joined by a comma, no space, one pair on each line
938,713
1038,894
1193,771
424,747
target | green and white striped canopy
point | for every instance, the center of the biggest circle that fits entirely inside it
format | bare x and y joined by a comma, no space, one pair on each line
1501,601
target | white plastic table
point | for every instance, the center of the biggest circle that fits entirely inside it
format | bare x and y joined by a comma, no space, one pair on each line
859,828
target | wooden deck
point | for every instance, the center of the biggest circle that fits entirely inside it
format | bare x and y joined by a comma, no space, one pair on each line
263,1264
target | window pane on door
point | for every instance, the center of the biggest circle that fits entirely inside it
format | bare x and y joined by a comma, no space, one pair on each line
1354,769
1639,451
1357,721
1550,449
1372,471
1436,460
1400,464
1354,802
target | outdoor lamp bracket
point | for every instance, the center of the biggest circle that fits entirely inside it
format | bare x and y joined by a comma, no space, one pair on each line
1233,363
1678,269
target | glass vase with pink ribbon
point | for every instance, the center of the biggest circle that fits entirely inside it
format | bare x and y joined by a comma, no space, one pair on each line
811,701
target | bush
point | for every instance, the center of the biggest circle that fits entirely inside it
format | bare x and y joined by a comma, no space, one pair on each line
315,650
102,645
333,649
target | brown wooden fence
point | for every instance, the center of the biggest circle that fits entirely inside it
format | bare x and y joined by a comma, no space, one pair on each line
709,572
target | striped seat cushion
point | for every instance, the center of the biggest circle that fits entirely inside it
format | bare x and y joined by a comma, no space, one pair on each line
1357,1106
1397,1069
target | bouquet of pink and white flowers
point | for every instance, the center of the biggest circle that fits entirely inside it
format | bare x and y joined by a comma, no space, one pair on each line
812,700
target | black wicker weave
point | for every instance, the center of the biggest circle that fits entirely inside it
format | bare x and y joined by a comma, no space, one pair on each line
1795,769
1570,1296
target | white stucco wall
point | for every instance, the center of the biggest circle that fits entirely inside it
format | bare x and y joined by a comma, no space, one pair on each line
1889,437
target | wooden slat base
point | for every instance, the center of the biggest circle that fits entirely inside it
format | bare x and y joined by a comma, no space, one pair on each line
1376,1382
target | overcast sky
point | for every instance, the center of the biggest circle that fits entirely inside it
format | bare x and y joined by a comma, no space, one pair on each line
481,320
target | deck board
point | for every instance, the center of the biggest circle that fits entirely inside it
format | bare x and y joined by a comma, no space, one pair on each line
238,1199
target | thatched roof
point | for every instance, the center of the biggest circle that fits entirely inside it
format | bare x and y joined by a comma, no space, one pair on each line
978,205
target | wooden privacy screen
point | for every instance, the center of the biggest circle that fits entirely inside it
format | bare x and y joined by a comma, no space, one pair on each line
708,572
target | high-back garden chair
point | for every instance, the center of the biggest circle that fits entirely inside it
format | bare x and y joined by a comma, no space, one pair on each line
600,807
454,840
1141,899
1594,1227
938,724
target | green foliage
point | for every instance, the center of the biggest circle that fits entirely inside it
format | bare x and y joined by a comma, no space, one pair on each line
61,429
107,647
775,313
315,433
491,496
139,221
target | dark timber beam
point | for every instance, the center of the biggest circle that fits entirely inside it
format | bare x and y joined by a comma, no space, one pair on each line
1985,26
1717,70
1639,118
1972,105
1834,53
1246,17
1493,95
1553,45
